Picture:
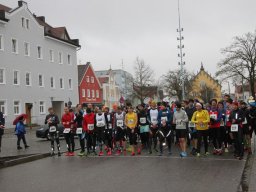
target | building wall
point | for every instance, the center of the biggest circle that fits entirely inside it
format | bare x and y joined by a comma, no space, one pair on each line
18,61
90,86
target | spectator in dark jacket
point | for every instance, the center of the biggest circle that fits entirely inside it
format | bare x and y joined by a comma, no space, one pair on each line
2,124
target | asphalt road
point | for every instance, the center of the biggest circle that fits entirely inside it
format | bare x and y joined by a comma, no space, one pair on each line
124,174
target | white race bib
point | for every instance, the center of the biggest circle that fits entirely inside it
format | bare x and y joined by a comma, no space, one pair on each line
90,127
52,129
120,123
66,130
179,123
130,121
110,125
213,116
222,123
234,128
143,120
100,124
164,118
154,120
79,130
191,124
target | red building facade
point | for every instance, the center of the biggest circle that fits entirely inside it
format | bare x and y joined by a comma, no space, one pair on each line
90,90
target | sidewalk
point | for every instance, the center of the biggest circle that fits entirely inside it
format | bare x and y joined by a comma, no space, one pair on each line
252,179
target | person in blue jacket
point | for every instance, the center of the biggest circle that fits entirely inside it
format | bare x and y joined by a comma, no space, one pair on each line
20,131
165,114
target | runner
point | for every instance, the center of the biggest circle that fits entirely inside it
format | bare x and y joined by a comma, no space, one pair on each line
89,128
143,124
223,131
246,130
100,125
180,119
108,138
201,119
153,116
2,126
237,118
79,130
120,131
229,136
215,118
131,121
67,121
52,120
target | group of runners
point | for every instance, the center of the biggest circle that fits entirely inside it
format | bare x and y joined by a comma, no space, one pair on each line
155,127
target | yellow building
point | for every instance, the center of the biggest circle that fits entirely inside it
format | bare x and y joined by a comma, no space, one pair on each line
205,87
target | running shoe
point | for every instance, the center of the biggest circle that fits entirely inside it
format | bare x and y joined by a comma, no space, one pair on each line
139,151
183,154
215,152
71,154
207,153
226,150
132,154
198,154
220,152
101,153
82,153
109,152
27,146
67,154
118,152
19,147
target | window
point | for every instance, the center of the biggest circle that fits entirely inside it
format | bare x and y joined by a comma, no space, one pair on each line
60,58
16,107
41,80
69,59
41,107
92,79
61,83
39,52
16,78
27,23
3,107
97,94
28,79
87,79
23,22
27,49
70,86
83,92
14,46
88,93
2,76
51,56
52,82
1,42
93,94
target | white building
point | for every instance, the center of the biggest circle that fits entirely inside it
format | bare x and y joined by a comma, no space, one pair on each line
111,92
38,65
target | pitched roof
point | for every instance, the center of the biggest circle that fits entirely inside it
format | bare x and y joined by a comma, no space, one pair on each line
81,71
4,8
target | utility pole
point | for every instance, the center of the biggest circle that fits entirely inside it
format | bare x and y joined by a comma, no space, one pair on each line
181,54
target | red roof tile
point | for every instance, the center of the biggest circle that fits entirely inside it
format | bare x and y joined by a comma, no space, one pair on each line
5,8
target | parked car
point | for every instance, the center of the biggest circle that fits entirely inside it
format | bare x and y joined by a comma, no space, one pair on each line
43,131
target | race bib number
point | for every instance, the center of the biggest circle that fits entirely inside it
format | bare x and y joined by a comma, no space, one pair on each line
66,130
90,127
110,125
130,121
154,120
213,116
191,124
100,124
179,122
120,123
234,128
79,131
52,129
108,118
245,121
163,119
143,120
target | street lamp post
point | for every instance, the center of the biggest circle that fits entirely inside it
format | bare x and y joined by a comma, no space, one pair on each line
181,54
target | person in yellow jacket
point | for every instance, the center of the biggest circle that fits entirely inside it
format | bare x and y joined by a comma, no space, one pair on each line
201,118
131,121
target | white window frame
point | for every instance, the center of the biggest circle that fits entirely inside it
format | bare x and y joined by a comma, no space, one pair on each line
92,79
19,107
4,76
30,79
88,93
69,59
43,107
41,52
17,46
62,83
18,77
1,42
83,93
51,53
42,80
5,107
93,93
97,94
60,57
25,49
87,79
54,86
70,84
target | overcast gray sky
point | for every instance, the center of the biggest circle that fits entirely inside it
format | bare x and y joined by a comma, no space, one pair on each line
112,30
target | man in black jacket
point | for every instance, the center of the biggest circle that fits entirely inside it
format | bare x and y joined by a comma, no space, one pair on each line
53,120
2,124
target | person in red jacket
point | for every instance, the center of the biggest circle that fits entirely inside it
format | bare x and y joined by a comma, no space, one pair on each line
89,128
67,121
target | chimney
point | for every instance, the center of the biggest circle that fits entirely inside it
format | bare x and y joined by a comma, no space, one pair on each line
42,18
21,3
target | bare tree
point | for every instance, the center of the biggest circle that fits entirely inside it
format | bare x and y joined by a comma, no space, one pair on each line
240,60
144,77
173,84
